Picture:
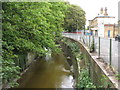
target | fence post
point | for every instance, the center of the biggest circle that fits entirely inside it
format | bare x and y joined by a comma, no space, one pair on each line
99,48
110,53
80,37
94,42
84,39
89,41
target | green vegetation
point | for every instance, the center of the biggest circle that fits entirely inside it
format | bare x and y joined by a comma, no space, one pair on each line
74,46
75,19
34,27
104,82
118,76
29,27
81,56
84,80
86,69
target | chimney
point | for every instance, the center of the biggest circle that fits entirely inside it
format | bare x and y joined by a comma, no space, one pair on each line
106,14
101,11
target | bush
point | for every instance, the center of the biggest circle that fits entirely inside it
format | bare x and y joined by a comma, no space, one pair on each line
84,80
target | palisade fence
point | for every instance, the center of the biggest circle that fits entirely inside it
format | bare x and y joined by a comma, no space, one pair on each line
106,48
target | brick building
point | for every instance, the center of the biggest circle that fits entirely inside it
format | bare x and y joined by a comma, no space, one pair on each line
103,25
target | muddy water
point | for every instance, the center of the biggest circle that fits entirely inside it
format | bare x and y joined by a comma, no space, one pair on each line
51,73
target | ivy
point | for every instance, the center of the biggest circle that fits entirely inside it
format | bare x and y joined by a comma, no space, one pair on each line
84,80
104,82
74,46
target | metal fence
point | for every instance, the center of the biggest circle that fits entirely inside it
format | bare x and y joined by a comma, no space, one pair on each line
106,48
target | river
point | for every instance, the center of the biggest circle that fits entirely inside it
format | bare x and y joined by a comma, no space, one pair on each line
51,73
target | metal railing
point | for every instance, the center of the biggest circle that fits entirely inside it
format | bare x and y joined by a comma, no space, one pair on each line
106,48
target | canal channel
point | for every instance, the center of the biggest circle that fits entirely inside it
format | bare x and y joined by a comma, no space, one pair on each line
50,72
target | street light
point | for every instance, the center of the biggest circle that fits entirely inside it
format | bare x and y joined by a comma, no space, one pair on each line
84,29
77,25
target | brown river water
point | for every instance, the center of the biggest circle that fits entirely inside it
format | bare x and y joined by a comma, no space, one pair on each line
51,73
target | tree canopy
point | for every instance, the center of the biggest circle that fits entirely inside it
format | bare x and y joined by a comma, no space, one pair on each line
75,19
29,27
33,27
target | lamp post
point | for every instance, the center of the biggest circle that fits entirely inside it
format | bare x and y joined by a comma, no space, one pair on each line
114,30
77,25
84,29
119,27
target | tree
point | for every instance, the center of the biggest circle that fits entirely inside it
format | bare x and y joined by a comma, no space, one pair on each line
29,27
74,19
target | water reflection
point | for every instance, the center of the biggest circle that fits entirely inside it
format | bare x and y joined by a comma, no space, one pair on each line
51,74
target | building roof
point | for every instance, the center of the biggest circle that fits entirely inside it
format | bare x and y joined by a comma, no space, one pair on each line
102,17
103,14
109,24
105,17
116,25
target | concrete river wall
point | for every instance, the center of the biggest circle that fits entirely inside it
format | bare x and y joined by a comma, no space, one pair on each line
100,74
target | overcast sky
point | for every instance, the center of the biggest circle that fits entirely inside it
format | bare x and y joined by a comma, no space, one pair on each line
92,7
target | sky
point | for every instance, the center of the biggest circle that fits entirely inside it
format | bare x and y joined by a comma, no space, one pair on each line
92,7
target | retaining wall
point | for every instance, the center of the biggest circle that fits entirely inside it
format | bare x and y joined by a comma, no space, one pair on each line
98,70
